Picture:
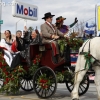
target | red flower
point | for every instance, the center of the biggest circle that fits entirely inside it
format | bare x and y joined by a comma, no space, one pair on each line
10,75
15,70
20,70
4,70
44,86
12,79
43,81
89,55
7,80
34,61
6,73
0,64
63,71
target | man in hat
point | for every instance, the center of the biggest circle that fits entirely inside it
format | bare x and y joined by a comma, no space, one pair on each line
64,28
50,32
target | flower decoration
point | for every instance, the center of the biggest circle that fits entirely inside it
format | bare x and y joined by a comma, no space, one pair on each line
89,60
35,64
43,81
12,77
64,76
75,43
72,41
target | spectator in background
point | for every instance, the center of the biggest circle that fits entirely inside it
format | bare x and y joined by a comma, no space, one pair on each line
20,46
20,43
6,43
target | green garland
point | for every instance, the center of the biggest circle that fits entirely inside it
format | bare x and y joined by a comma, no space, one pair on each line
64,76
35,64
89,60
62,44
74,43
11,78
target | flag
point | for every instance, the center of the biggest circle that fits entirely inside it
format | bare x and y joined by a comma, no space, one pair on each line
91,26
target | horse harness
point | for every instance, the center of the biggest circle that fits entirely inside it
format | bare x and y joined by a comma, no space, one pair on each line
96,61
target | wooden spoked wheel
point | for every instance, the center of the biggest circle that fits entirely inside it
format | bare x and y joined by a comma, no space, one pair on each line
45,82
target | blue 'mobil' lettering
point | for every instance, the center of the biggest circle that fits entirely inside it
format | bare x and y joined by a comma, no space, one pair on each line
31,12
20,9
35,12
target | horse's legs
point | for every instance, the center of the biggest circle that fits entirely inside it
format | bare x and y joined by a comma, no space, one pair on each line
78,78
97,79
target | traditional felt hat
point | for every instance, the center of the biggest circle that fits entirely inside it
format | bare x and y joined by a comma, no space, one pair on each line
60,19
47,15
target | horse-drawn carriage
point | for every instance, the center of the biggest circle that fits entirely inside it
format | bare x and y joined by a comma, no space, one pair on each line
48,73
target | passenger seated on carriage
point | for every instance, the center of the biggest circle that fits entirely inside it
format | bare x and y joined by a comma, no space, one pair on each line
64,28
20,46
5,46
50,33
7,40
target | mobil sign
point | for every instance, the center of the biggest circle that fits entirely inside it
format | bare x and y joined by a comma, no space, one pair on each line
25,11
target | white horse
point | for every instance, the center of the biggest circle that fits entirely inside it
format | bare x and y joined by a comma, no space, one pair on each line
94,46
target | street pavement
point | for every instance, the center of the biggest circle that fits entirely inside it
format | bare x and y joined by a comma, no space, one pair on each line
61,94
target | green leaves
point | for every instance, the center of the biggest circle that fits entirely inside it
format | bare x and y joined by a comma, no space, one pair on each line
74,43
62,44
89,60
64,76
11,82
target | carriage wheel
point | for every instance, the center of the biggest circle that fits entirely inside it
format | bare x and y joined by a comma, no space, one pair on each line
27,83
44,82
83,87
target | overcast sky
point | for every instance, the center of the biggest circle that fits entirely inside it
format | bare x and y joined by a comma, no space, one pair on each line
84,10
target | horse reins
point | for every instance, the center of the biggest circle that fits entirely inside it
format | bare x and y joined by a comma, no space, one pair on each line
82,53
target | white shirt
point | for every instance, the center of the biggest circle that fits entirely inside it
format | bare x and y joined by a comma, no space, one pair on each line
4,44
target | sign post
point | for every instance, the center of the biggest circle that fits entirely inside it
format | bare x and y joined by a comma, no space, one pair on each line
1,21
0,16
98,19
